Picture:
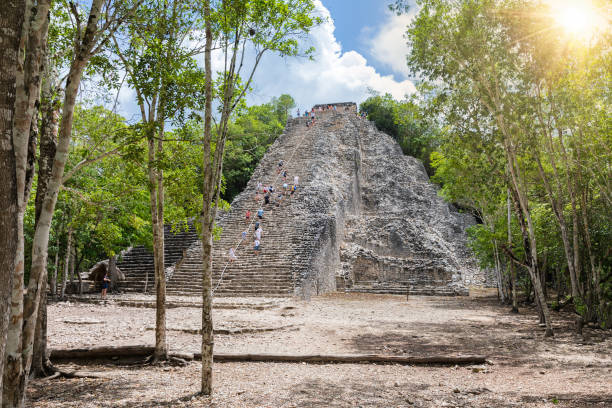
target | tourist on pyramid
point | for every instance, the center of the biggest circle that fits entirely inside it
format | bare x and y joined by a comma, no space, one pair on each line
256,247
248,216
257,233
266,199
296,180
293,190
259,185
285,186
285,175
244,233
279,199
260,213
256,224
232,255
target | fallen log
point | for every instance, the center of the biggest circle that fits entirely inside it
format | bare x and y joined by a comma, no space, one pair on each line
83,374
348,359
101,352
109,352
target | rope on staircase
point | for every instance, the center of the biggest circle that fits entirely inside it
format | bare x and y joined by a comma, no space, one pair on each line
295,149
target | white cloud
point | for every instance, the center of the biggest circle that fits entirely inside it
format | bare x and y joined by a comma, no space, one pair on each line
388,44
334,76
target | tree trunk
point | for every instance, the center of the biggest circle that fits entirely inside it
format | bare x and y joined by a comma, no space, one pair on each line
73,271
156,202
40,242
557,207
530,230
40,357
543,274
11,20
54,273
112,271
510,263
25,308
32,37
207,322
527,231
66,264
500,284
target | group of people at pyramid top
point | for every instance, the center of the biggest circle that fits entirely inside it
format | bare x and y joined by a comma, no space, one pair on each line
268,192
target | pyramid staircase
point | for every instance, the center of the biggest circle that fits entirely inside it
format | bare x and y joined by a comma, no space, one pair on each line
137,263
288,238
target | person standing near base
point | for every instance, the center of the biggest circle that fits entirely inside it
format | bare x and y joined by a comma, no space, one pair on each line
105,284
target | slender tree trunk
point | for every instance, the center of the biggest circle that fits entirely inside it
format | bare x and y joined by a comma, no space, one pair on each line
510,263
207,322
557,207
112,271
32,37
156,202
524,217
543,274
54,273
40,242
80,282
40,359
66,263
11,21
498,272
524,205
73,271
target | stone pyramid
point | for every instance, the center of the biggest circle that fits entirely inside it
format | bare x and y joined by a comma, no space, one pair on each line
365,218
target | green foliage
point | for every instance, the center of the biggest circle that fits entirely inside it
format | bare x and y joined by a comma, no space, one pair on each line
515,92
251,132
407,122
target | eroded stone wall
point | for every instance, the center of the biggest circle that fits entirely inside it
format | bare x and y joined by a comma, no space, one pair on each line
383,226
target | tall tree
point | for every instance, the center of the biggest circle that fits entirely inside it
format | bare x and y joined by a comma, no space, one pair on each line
11,20
240,28
91,37
463,46
32,38
158,56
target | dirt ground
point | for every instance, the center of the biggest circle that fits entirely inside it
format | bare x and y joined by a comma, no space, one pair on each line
524,370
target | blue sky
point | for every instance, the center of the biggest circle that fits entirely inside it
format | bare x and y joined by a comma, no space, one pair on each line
356,22
360,48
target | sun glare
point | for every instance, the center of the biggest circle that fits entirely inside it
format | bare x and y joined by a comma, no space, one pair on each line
573,19
577,17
